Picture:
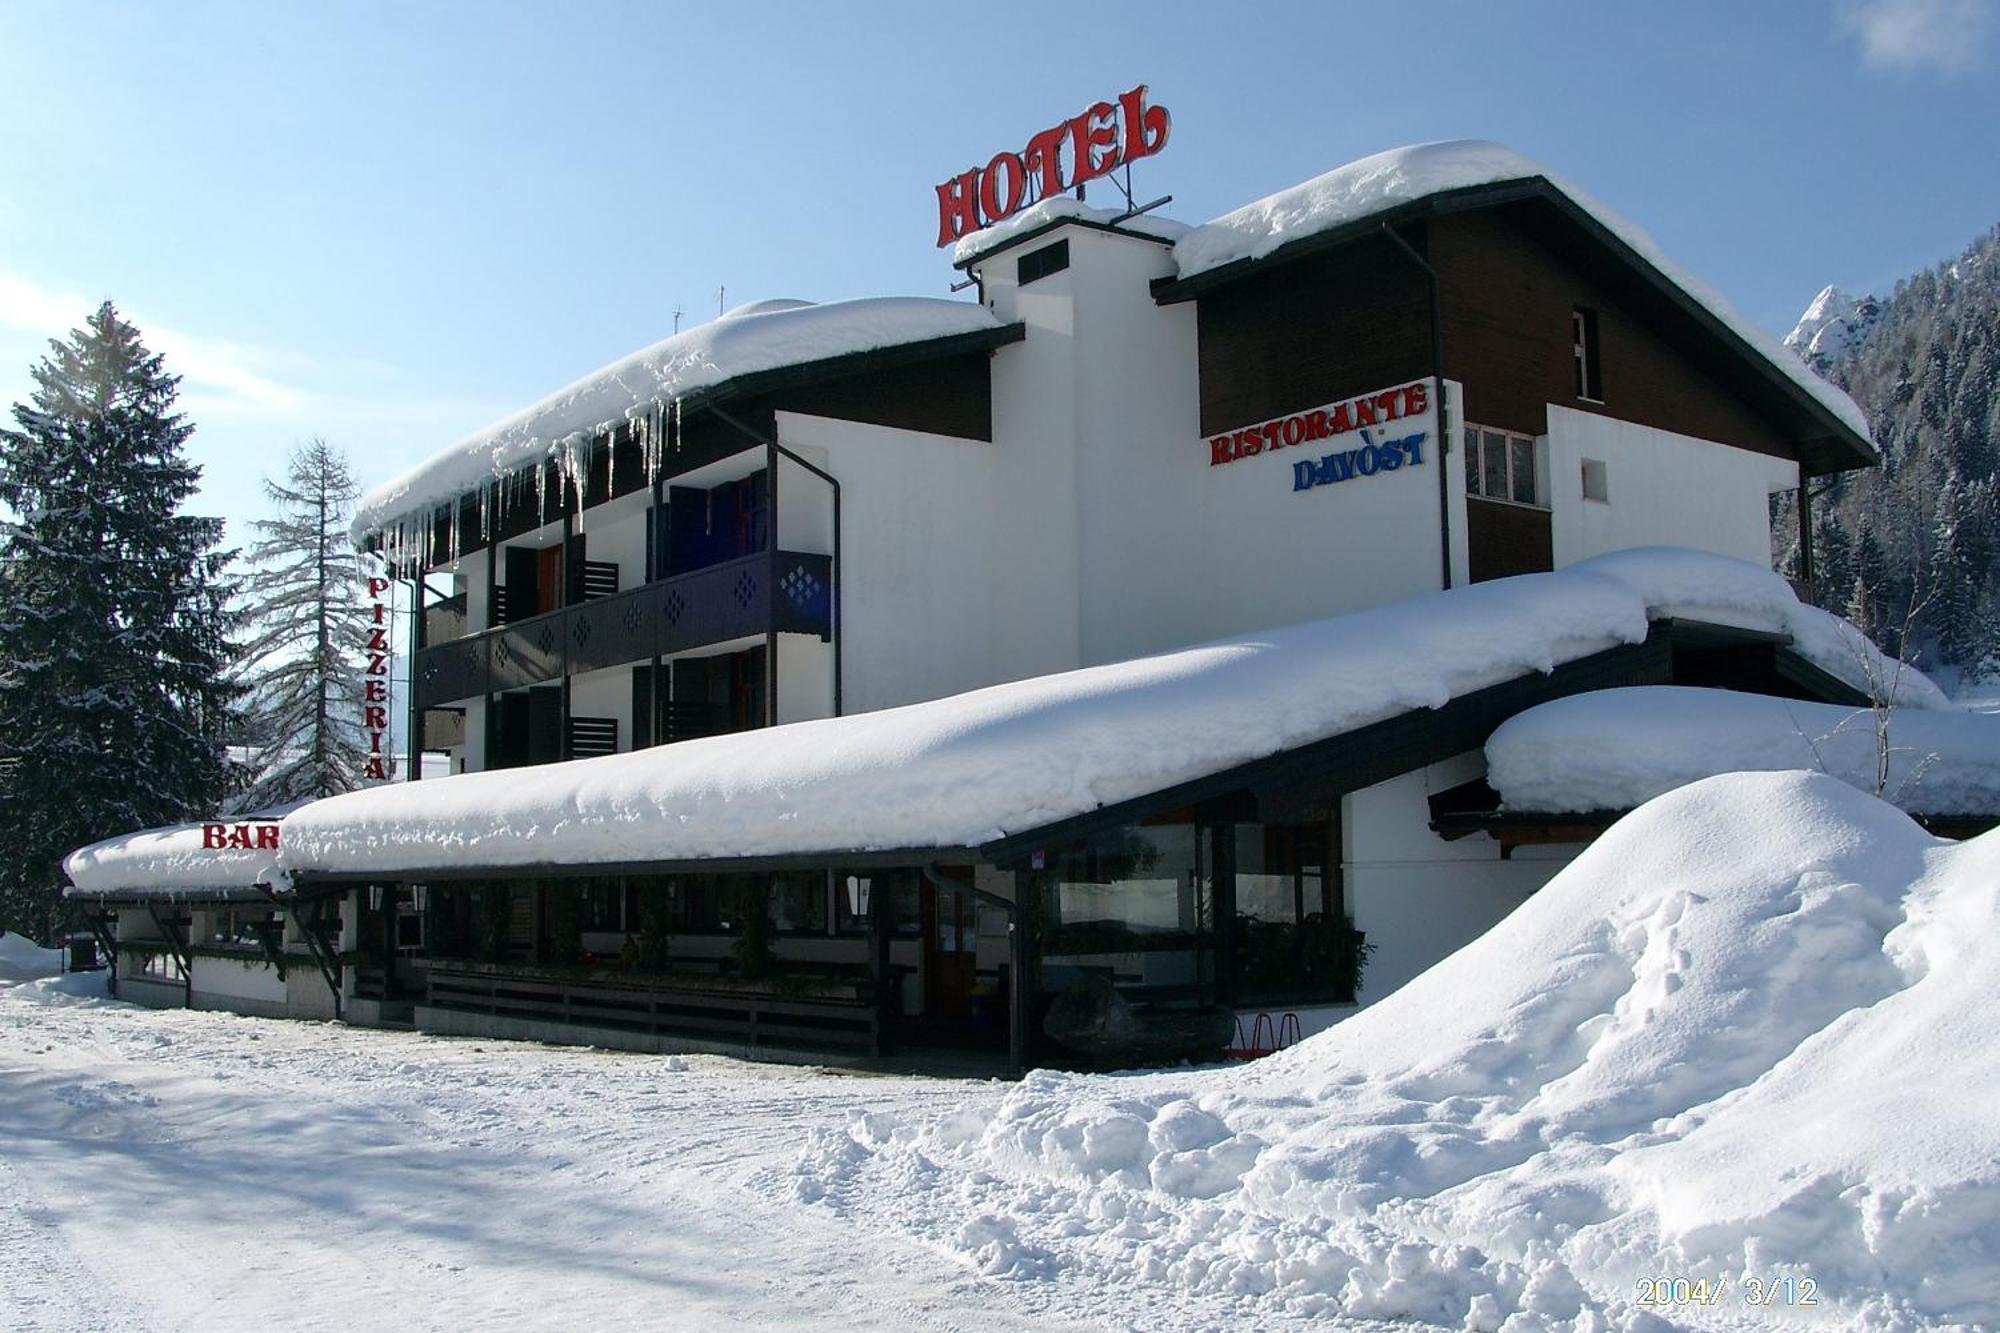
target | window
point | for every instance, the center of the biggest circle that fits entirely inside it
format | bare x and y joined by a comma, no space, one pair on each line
1583,340
1500,466
161,967
1037,264
1596,481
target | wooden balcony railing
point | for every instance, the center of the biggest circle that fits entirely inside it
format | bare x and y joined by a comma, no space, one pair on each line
791,593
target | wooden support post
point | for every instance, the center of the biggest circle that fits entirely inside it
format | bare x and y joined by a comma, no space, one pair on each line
170,930
1807,574
1023,956
329,965
416,723
888,1004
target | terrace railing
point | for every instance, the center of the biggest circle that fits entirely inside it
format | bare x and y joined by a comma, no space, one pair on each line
789,592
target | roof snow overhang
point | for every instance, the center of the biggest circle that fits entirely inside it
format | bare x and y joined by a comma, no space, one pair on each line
782,379
1551,217
1305,783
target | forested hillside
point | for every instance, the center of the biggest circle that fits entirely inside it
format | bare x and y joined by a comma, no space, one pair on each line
1921,531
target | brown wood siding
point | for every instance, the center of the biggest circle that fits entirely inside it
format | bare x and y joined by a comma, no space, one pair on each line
1304,333
1507,302
951,397
1505,539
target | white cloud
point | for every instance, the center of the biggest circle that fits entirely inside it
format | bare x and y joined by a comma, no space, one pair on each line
220,375
1945,36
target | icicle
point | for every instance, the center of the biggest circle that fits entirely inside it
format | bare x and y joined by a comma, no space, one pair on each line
677,423
541,492
611,463
485,518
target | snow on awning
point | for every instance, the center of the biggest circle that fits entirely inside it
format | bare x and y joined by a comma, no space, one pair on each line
642,389
1617,749
1372,185
973,768
181,861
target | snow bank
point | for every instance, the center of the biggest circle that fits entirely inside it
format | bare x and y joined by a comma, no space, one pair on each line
1376,184
964,770
762,336
171,862
1615,749
21,959
1744,1036
68,989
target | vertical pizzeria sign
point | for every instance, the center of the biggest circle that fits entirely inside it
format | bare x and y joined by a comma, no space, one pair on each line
375,682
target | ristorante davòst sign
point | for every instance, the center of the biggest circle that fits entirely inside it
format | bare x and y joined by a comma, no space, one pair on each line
1083,148
1371,433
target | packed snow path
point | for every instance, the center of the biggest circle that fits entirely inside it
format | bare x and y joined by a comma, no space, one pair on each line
175,1170
168,1170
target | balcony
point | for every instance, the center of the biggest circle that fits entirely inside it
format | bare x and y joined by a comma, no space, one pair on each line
789,593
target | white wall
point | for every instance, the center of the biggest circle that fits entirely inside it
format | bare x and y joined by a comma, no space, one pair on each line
1097,428
257,980
1417,897
1665,489
617,532
606,693
918,570
805,503
805,678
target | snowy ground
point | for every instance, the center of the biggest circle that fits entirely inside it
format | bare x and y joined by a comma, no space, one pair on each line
177,1170
1744,1040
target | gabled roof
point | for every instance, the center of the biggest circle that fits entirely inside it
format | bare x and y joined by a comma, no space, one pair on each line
1439,179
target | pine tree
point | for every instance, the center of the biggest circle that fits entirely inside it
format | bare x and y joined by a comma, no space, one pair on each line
114,629
305,660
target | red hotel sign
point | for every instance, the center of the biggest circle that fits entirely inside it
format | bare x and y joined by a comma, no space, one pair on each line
1102,139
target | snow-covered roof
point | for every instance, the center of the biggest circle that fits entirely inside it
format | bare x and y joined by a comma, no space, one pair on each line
1387,180
1617,749
1060,208
765,335
172,862
975,767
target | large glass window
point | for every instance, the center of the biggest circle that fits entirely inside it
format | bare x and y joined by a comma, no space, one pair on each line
1290,939
798,902
1135,905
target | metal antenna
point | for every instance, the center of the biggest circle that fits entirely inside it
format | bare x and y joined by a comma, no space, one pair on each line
677,319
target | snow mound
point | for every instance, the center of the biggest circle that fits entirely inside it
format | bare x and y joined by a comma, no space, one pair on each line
68,990
1372,185
756,337
1615,749
1744,1037
21,959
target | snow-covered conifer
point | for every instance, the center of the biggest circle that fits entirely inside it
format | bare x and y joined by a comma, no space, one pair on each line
114,628
303,659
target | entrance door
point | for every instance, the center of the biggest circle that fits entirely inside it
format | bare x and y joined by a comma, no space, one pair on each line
951,937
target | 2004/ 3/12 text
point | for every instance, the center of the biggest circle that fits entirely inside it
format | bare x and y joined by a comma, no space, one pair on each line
1786,1289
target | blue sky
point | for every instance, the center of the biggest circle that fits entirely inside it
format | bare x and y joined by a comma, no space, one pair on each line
390,224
